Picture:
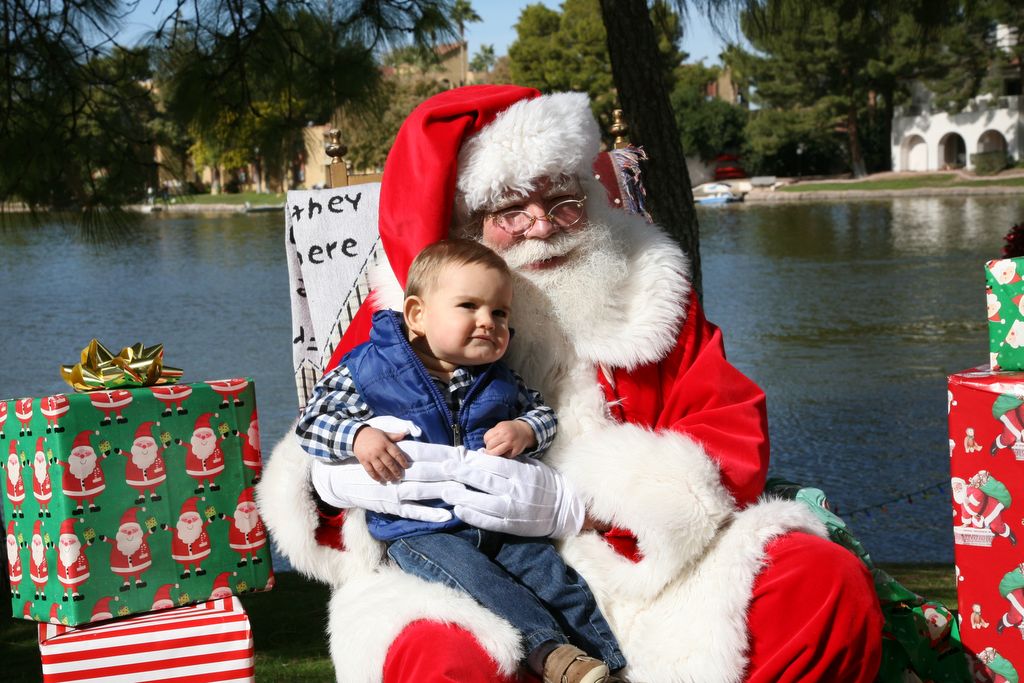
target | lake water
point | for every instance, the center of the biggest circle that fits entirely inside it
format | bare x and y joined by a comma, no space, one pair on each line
850,315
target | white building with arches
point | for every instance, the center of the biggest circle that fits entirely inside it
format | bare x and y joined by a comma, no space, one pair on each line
926,139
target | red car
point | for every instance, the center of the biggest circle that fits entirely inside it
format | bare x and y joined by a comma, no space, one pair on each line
727,167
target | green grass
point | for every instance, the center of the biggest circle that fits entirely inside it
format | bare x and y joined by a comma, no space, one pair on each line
288,625
924,181
225,198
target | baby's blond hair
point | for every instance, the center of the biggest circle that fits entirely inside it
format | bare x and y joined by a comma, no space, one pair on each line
426,268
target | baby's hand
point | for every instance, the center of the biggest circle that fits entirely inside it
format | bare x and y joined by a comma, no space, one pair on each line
509,438
380,457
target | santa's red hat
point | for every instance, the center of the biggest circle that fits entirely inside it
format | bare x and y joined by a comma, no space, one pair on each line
54,619
189,506
39,445
246,496
203,421
83,439
37,528
222,581
462,150
13,450
145,430
101,610
130,516
163,595
10,528
67,527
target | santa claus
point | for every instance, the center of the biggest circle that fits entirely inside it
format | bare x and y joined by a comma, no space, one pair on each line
39,566
983,500
53,408
204,458
173,397
103,610
145,469
42,487
229,390
661,441
247,534
222,586
998,668
130,556
23,411
162,597
83,478
72,563
14,571
15,481
252,457
191,542
111,404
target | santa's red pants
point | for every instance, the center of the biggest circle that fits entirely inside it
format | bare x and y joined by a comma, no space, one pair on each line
813,617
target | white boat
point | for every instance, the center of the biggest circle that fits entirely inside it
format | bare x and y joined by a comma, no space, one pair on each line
715,193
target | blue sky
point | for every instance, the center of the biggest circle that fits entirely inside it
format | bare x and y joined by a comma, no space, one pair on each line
497,28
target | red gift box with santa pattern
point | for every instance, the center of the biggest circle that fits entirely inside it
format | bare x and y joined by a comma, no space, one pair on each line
1004,292
209,641
131,497
986,448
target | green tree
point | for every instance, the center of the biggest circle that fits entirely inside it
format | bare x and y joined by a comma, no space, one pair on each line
568,50
707,126
462,13
484,59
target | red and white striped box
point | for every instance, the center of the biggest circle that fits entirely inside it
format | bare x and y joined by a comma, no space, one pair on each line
210,641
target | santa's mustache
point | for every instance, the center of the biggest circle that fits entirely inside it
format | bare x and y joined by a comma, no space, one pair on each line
531,251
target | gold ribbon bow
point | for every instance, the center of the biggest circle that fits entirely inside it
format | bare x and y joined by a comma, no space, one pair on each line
134,366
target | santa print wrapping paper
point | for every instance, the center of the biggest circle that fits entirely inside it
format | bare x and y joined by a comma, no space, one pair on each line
1004,293
211,641
986,447
130,500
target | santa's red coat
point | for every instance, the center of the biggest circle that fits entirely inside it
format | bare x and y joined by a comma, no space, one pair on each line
130,565
208,468
42,490
14,569
245,543
85,488
145,478
75,573
16,490
191,553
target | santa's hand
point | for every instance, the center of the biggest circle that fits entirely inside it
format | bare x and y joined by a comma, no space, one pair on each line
394,425
347,485
522,497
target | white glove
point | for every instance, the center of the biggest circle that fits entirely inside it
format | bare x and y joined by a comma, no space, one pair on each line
523,497
348,485
394,425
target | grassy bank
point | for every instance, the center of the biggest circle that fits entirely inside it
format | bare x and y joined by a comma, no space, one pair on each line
240,199
288,626
930,181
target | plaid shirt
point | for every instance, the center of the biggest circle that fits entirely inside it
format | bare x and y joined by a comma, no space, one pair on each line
336,411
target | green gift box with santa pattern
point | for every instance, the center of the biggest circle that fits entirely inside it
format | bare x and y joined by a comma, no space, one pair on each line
1004,292
129,500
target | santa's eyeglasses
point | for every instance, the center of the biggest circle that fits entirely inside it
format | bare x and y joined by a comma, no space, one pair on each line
517,222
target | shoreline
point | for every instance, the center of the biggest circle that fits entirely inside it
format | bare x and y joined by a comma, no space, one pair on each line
760,196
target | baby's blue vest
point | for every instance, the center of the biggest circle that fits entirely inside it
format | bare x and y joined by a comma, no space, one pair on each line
393,381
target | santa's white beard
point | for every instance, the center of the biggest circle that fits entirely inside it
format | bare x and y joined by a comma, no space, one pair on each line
188,533
69,552
143,457
13,470
568,299
82,467
203,448
38,552
40,469
245,521
127,545
12,551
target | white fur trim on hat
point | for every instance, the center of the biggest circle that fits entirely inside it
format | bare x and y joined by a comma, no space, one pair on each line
543,137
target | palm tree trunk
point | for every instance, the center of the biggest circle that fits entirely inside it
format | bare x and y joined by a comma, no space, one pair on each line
644,97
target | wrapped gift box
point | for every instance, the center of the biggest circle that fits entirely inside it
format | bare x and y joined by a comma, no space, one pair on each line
986,417
1004,291
210,641
142,494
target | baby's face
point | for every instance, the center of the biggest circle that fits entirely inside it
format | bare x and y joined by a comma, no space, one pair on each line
465,317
